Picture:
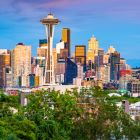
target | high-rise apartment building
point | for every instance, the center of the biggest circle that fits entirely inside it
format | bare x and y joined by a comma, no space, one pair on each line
21,64
66,38
80,55
103,73
4,63
93,46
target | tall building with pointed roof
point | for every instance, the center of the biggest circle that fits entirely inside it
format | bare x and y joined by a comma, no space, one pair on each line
93,46
111,49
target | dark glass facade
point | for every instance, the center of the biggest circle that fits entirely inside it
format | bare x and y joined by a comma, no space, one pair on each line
70,71
42,42
32,80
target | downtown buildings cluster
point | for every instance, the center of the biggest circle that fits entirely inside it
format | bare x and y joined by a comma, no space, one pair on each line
90,66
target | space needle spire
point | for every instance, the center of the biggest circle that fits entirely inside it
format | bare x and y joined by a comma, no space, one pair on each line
50,21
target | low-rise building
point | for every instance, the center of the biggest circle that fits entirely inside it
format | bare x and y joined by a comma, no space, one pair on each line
134,87
134,110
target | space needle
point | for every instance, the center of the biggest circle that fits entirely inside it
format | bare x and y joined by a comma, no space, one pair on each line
50,21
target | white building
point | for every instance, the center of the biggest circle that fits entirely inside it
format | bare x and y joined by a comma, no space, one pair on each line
59,46
134,110
103,73
59,79
107,74
77,81
2,51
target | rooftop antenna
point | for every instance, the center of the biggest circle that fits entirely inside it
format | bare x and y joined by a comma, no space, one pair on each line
50,12
92,35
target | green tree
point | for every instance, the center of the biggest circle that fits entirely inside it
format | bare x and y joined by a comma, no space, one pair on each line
88,115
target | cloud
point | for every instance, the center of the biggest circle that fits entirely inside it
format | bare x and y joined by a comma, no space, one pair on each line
110,20
29,9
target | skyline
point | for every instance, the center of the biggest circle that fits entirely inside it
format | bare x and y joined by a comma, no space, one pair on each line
112,22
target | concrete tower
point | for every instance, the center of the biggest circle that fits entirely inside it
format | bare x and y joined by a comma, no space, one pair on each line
50,21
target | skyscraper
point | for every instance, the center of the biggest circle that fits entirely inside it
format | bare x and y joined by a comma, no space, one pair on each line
114,65
4,63
99,63
50,21
60,70
100,58
93,46
66,39
70,71
62,52
21,64
80,55
42,49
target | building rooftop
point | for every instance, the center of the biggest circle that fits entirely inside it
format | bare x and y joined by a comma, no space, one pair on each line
20,43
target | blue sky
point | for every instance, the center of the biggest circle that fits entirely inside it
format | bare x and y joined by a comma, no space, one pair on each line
113,22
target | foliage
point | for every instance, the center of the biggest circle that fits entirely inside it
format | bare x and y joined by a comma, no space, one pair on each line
88,115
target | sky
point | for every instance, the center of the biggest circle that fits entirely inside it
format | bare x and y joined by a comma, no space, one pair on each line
112,22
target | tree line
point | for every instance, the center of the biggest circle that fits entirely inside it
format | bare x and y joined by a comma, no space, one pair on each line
51,115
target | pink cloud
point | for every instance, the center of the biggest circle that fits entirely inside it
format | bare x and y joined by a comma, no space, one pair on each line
92,8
